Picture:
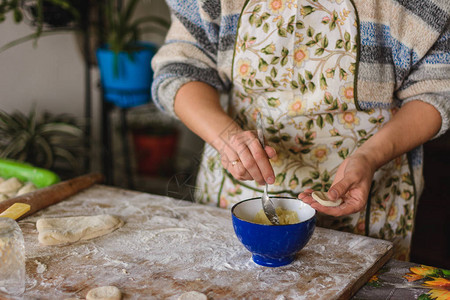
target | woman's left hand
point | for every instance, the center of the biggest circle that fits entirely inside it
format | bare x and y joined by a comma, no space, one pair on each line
351,183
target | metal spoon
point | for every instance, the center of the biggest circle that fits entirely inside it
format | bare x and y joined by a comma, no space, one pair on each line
267,203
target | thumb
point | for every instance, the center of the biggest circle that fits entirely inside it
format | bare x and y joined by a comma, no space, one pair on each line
339,189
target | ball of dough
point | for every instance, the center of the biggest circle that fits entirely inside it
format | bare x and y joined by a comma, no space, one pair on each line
104,293
192,295
323,199
56,231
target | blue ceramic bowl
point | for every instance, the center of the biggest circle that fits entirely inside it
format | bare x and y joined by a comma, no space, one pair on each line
273,245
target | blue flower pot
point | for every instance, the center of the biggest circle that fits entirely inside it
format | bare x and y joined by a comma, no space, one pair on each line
127,77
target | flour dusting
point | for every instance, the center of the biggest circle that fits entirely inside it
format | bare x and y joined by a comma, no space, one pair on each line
168,247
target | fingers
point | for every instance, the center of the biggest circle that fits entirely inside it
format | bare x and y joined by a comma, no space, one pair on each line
351,204
339,189
235,167
251,161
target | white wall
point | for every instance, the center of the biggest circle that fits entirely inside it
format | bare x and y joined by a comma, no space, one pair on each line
50,75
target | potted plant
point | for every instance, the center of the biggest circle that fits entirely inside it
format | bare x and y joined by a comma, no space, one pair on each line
47,16
47,141
124,60
155,140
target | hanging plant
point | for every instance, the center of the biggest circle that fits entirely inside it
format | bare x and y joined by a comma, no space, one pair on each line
48,17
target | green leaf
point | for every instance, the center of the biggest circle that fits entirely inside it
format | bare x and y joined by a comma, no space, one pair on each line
347,36
275,60
362,133
339,44
290,29
325,176
269,49
329,118
314,174
328,98
262,64
284,52
319,122
257,9
310,32
311,86
308,75
291,19
309,124
332,25
317,187
348,46
265,16
319,51
307,9
286,137
306,182
323,82
294,84
258,83
269,80
338,144
258,22
280,22
318,37
284,61
325,42
251,19
282,32
273,72
299,25
303,88
343,153
273,102
274,139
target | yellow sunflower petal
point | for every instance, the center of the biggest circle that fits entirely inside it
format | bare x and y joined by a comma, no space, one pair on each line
438,294
423,270
441,282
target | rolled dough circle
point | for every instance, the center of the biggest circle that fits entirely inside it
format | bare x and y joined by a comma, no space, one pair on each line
192,295
323,199
104,293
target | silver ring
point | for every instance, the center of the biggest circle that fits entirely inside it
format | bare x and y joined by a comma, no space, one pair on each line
235,162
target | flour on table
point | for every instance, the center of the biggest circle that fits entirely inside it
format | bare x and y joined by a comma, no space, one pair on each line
27,188
55,231
192,295
10,185
104,293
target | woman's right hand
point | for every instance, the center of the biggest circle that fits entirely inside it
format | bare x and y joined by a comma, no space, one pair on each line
243,156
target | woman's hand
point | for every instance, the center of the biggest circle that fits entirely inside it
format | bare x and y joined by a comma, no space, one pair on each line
351,183
243,156
198,105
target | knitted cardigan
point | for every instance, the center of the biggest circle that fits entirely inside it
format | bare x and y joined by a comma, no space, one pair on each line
404,51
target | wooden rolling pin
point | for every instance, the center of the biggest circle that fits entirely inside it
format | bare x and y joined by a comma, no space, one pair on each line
55,193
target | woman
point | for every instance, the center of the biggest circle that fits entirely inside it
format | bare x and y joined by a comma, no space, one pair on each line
349,90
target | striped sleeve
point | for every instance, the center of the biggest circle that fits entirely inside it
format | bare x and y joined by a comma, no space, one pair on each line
429,80
189,53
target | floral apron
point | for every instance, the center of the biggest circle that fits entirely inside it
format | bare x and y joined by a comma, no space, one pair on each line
295,62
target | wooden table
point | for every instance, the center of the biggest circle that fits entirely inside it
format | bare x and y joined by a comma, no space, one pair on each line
168,247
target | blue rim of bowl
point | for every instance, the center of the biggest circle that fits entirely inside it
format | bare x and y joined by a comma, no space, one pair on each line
272,197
